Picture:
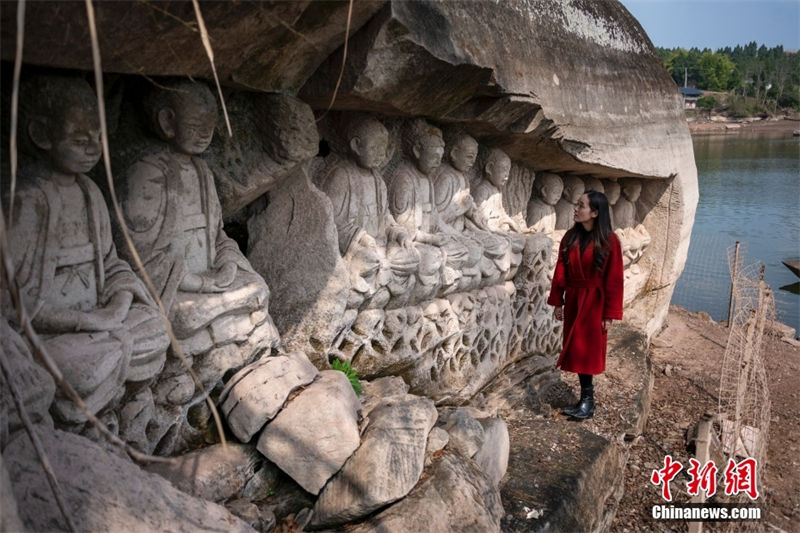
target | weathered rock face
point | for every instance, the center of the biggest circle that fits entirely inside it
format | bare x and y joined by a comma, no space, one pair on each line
103,492
456,497
570,99
410,248
385,467
316,433
256,393
218,473
268,48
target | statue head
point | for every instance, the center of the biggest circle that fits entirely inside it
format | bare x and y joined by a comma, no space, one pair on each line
549,186
612,189
498,167
651,191
288,131
573,189
183,113
631,189
590,183
425,144
59,122
463,153
369,141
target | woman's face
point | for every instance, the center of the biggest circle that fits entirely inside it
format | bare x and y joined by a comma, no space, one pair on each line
584,213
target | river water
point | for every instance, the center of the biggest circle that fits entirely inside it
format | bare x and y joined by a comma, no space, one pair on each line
749,192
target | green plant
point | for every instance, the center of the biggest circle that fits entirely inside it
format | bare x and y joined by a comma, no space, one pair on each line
707,102
344,366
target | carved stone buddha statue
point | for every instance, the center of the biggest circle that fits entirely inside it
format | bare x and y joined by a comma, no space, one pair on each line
380,254
211,292
454,204
96,318
548,188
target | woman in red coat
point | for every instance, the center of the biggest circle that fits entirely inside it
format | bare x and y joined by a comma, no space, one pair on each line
587,294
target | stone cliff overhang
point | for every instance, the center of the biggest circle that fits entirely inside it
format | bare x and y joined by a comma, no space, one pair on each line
565,86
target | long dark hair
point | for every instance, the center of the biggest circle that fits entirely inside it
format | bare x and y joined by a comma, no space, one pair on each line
599,234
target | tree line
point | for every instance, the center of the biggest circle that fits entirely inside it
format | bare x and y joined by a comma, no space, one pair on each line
767,78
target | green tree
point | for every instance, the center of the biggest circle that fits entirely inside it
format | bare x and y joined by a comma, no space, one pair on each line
714,71
682,64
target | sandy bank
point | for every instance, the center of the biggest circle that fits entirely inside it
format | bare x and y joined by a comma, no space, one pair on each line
769,126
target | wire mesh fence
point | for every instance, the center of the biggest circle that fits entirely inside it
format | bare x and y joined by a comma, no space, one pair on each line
744,404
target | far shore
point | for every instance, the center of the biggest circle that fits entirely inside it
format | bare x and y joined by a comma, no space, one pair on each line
771,126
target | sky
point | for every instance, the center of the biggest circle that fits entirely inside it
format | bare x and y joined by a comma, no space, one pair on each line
715,24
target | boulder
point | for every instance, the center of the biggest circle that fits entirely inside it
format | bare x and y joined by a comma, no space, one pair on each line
437,440
379,389
103,492
466,433
309,308
385,467
215,473
256,393
456,496
315,433
492,457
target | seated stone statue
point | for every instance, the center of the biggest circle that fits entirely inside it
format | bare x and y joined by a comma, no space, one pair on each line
590,183
444,256
456,211
573,190
379,252
613,191
634,237
208,287
541,216
489,207
96,318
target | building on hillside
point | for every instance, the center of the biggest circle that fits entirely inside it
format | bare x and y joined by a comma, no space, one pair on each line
690,97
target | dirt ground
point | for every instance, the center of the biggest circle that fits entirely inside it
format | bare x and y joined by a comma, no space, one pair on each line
687,358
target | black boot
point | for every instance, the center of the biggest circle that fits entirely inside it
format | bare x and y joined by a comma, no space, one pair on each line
585,408
569,411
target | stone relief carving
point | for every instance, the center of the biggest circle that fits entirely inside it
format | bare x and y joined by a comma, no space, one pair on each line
380,254
417,275
634,237
457,211
573,190
613,192
216,303
489,207
97,320
268,142
445,257
548,188
593,184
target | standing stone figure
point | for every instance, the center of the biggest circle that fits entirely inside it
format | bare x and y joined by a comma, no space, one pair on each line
541,209
212,294
379,252
96,318
456,210
443,256
489,205
573,190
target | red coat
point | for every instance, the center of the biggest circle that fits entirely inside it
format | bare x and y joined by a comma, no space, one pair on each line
588,296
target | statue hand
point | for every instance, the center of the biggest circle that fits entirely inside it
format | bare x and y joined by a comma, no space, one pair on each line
225,275
366,240
105,319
